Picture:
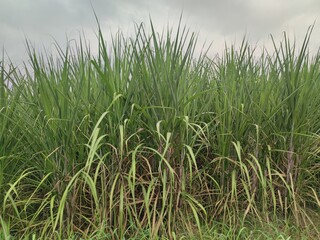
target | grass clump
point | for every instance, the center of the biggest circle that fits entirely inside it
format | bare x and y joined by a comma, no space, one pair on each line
146,141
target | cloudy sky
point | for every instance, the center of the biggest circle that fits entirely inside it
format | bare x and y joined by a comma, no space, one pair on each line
216,21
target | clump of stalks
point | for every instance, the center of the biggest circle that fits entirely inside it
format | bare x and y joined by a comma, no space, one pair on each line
146,139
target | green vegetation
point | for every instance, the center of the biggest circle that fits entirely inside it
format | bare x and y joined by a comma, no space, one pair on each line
145,141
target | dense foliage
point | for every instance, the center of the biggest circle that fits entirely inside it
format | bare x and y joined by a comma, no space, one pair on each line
145,139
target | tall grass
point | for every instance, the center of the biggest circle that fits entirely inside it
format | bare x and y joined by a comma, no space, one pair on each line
144,138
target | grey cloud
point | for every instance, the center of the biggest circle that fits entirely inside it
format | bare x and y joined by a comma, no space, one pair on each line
43,15
43,20
260,17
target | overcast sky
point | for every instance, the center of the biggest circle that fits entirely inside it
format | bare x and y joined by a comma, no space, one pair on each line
216,21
